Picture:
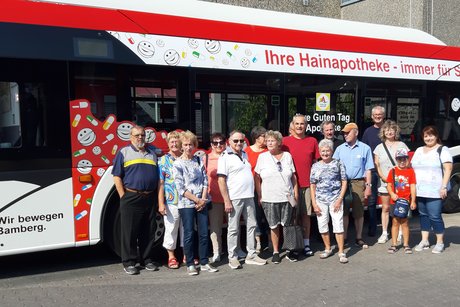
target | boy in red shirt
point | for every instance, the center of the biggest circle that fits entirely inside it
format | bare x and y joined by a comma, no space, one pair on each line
401,184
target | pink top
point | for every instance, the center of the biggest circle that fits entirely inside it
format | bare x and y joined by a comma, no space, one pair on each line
211,171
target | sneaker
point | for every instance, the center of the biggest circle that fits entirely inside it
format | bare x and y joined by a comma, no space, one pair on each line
276,258
191,270
292,256
360,243
151,267
422,245
215,258
241,254
307,251
383,239
209,268
131,270
256,260
233,263
438,248
343,258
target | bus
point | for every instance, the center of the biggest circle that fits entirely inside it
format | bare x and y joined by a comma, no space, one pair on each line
77,74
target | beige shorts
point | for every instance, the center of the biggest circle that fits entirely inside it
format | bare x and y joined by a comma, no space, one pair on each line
305,206
357,205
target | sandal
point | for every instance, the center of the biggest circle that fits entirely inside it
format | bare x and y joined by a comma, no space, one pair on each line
407,250
343,258
325,254
307,251
173,264
392,249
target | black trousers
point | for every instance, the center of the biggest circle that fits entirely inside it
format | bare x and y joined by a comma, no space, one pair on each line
138,225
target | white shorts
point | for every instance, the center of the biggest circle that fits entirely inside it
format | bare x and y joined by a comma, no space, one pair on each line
323,220
172,223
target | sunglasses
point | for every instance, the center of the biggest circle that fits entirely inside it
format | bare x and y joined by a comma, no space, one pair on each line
280,167
238,141
402,158
215,143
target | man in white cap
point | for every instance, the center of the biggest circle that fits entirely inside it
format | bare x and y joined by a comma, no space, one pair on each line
357,158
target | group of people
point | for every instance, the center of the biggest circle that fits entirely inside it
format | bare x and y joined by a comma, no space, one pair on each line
267,182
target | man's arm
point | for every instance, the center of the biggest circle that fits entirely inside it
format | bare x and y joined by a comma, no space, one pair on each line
222,181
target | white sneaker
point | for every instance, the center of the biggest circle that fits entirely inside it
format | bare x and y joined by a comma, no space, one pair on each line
209,268
233,263
383,239
438,248
215,258
422,245
256,260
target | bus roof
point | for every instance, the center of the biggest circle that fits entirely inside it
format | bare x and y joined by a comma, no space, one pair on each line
189,18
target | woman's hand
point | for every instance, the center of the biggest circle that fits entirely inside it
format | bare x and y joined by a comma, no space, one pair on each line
200,204
317,210
338,204
443,193
162,209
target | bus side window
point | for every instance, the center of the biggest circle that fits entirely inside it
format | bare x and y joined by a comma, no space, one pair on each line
10,117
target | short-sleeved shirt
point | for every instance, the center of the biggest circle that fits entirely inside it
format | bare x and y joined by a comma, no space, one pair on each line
428,170
304,153
276,184
237,171
357,159
189,175
328,179
371,137
401,181
211,169
165,166
384,161
137,169
253,156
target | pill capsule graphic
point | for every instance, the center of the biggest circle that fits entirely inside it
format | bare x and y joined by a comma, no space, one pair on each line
108,138
108,122
183,54
76,120
86,187
81,105
114,149
76,200
80,215
92,120
79,152
198,55
236,47
129,38
89,201
104,158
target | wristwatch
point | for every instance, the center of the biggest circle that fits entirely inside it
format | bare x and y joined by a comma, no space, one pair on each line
368,184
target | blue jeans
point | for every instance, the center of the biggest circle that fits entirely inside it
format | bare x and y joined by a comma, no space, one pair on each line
372,203
430,214
189,216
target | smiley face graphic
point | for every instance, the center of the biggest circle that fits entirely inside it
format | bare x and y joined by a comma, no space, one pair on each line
193,43
124,131
212,46
84,166
455,104
146,49
172,57
86,136
149,135
97,150
100,171
245,62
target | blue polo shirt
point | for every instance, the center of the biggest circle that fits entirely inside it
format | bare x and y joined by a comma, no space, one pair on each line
138,170
357,159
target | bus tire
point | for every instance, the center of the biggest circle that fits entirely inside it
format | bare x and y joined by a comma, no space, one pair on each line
112,225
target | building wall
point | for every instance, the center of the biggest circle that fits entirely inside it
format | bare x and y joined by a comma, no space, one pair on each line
321,8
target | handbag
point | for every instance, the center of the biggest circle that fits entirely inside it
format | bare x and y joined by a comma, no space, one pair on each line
348,197
293,233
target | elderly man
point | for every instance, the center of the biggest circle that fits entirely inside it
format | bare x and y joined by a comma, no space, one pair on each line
304,151
357,158
236,184
371,138
135,175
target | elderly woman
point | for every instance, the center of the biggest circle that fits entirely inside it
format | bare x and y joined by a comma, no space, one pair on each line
216,215
167,193
433,166
328,184
192,187
384,159
274,179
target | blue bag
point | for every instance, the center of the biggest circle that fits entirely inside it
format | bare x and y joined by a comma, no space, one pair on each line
402,208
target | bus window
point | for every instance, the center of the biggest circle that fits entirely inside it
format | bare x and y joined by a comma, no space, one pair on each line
154,105
246,111
10,118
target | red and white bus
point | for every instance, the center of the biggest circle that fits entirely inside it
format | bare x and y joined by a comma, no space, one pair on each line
76,74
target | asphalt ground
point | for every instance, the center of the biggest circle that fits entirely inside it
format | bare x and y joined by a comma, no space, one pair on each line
93,277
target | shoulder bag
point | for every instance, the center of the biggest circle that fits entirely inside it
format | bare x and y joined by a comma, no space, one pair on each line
293,233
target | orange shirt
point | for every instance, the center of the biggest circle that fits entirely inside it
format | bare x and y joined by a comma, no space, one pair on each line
253,156
211,171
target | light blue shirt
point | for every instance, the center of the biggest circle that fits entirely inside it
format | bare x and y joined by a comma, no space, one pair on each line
357,159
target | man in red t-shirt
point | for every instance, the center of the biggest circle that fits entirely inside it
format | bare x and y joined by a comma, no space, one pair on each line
304,151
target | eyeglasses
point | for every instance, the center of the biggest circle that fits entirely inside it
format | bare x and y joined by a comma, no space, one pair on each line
215,143
138,135
280,167
238,141
401,158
